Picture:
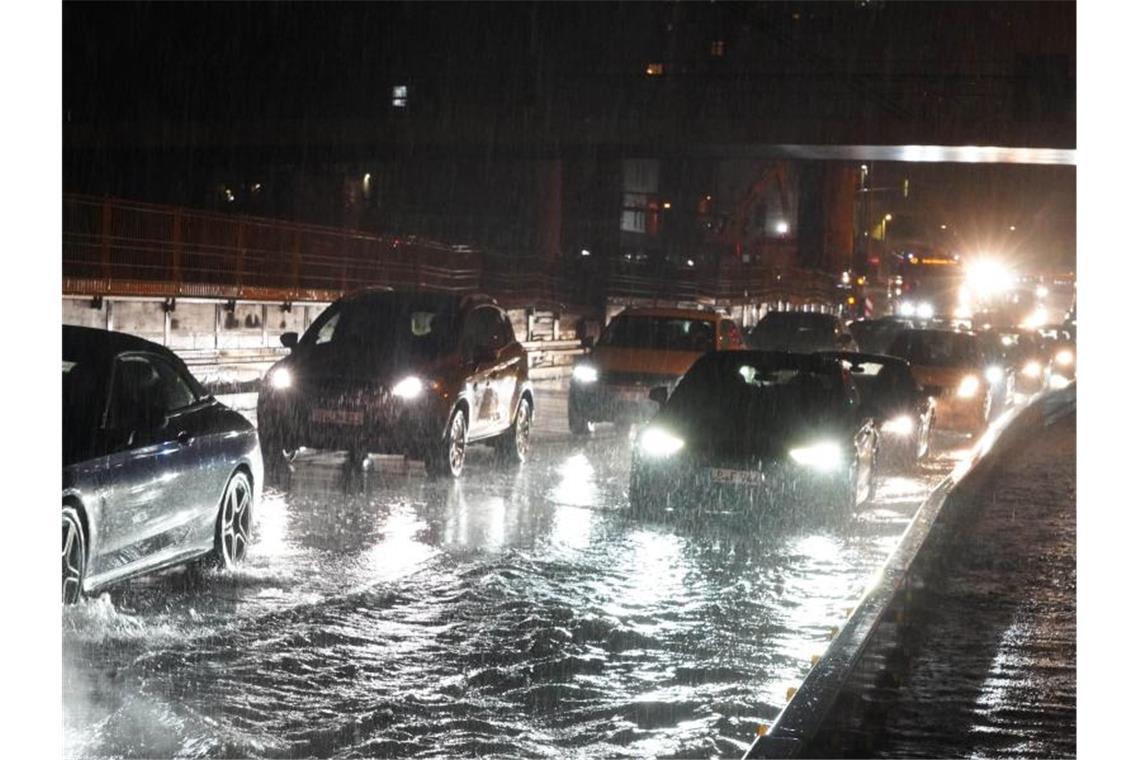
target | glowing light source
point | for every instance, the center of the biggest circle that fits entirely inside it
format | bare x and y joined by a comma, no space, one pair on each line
781,227
281,378
1032,368
584,373
989,277
825,455
658,443
408,388
994,375
1042,291
901,425
924,310
1064,357
968,388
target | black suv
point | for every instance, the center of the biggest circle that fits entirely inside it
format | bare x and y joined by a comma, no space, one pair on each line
417,374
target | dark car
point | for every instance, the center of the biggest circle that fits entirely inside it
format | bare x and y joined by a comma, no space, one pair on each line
417,374
903,412
874,336
156,472
801,332
759,428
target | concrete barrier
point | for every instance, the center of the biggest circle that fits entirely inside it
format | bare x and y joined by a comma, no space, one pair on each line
796,729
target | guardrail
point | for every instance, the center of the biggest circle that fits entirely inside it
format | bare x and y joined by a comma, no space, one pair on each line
797,726
128,248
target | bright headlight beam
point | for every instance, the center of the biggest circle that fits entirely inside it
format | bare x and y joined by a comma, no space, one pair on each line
994,374
1064,357
924,311
901,425
281,378
584,373
825,455
1031,369
658,443
968,387
408,388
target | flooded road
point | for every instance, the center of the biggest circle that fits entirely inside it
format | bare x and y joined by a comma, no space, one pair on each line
516,612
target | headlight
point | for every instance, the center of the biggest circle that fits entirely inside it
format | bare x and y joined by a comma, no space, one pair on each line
822,456
1064,357
1032,369
994,375
1058,381
906,308
281,378
968,387
584,373
901,425
408,388
924,311
657,443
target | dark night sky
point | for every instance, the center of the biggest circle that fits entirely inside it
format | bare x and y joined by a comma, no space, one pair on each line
232,63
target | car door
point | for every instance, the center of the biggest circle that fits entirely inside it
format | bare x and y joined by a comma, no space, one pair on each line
149,484
508,369
479,362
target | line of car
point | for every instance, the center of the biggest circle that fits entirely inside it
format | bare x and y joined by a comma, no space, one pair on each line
157,472
796,411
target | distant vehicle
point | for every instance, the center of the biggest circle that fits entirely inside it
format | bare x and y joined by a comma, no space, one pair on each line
756,428
874,336
801,332
1000,371
950,367
1027,353
642,348
156,472
423,375
903,412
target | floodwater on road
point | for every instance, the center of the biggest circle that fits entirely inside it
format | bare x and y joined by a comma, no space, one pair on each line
514,612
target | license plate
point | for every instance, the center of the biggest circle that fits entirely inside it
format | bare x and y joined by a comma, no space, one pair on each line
631,394
737,477
337,417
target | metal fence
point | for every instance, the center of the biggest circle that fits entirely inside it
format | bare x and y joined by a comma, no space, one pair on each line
127,248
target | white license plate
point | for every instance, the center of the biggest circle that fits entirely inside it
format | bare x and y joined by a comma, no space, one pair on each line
337,417
737,477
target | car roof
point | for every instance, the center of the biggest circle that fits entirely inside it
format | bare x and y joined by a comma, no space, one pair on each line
669,312
814,316
88,341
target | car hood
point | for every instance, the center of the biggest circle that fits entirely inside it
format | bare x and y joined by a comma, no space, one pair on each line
643,361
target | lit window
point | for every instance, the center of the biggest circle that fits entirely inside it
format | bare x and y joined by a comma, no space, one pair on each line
655,69
400,96
716,49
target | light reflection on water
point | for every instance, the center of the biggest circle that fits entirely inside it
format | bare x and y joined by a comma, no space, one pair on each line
514,612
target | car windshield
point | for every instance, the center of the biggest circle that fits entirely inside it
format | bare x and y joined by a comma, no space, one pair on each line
937,348
883,383
874,336
386,325
792,328
659,333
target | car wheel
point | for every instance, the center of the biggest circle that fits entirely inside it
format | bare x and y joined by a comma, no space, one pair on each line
450,453
579,425
234,528
513,446
74,556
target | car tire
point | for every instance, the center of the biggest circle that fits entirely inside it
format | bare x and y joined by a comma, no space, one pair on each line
579,424
74,556
233,529
513,446
447,455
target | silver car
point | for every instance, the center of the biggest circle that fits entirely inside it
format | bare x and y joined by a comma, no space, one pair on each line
156,472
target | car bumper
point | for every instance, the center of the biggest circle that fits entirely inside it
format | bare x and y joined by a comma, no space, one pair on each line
694,490
605,402
390,426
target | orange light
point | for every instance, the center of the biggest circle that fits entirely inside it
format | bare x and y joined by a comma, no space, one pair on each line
850,300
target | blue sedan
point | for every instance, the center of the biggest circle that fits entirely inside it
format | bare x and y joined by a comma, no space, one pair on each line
156,472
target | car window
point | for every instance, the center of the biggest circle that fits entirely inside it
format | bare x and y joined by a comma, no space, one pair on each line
175,392
489,331
135,383
730,333
660,333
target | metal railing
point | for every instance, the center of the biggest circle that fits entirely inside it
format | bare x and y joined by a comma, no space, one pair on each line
115,247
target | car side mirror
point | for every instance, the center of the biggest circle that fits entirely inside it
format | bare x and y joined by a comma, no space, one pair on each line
660,394
588,342
289,340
